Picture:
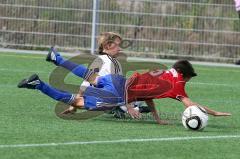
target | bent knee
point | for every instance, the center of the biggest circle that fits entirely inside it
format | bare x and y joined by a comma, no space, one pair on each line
78,101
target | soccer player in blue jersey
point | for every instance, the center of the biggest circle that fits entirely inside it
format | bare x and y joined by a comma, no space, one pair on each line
109,90
107,63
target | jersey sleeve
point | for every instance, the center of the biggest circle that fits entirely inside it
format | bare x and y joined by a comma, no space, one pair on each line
179,91
97,66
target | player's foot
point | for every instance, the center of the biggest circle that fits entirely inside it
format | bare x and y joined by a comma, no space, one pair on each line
52,55
163,122
69,110
30,82
144,109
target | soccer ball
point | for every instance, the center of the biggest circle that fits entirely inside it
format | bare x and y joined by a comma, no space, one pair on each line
195,118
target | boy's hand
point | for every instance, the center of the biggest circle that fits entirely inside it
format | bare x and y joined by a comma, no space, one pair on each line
162,122
69,110
134,113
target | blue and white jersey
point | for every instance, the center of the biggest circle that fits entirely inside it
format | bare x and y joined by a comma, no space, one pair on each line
104,65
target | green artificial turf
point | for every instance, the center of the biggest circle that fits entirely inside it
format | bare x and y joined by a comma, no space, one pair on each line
29,117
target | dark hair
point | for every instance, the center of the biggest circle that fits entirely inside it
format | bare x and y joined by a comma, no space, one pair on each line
184,67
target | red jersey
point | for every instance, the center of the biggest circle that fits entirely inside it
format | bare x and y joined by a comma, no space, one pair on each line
156,84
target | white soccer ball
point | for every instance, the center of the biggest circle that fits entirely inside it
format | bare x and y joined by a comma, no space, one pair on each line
195,118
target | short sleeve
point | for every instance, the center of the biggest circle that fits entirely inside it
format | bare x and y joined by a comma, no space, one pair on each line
179,90
96,65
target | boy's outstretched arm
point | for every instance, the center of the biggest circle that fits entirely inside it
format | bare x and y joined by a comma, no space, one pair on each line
151,105
187,102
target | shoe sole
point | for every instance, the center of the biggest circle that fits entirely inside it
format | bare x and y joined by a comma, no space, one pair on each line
48,58
33,77
24,82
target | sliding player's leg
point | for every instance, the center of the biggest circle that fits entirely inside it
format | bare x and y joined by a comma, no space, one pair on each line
109,93
92,99
33,82
79,70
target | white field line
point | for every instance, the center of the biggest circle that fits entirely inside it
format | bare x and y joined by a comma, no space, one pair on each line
31,52
121,141
69,54
2,50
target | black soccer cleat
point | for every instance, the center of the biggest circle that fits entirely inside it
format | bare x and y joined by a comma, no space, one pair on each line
30,83
52,55
118,113
144,109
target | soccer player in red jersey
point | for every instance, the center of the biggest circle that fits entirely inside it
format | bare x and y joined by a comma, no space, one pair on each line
164,84
113,90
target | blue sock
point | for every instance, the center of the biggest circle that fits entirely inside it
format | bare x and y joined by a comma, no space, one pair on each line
78,70
58,95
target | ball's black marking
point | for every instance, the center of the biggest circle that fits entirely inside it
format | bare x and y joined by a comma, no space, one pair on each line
202,110
198,120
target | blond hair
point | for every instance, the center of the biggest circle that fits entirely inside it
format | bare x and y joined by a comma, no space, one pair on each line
106,38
